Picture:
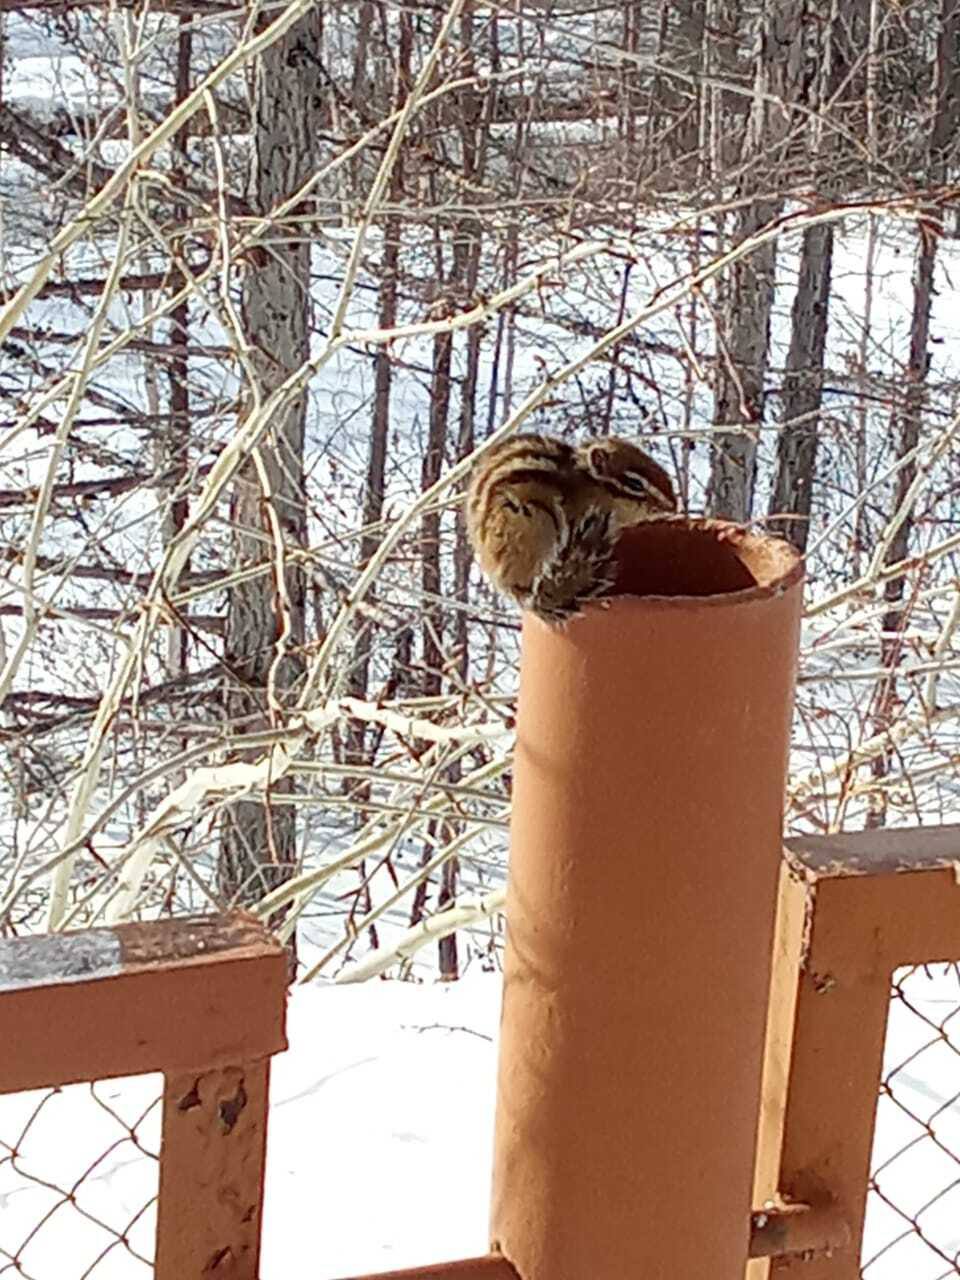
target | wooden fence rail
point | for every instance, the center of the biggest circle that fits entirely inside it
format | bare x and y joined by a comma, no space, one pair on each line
203,1001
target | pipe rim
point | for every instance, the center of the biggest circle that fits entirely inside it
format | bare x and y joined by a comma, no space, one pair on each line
710,563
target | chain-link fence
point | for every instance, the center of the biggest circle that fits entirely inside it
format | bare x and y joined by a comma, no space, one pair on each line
79,1169
912,1227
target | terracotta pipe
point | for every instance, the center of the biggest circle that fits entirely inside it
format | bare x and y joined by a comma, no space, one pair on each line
646,840
489,1268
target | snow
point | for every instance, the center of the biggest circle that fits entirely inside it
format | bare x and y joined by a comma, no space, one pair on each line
381,1126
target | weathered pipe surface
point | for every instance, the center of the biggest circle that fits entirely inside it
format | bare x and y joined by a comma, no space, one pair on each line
646,839
489,1268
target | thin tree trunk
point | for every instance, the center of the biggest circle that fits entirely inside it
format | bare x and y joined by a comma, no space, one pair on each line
265,620
358,750
907,431
793,487
790,500
474,133
745,325
177,434
430,578
431,634
375,486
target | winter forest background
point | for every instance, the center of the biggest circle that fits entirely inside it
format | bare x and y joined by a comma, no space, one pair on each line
272,274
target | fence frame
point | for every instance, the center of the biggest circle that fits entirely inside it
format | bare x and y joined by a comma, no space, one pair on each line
855,908
202,1000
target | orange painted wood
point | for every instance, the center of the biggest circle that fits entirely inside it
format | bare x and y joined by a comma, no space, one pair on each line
211,1174
864,924
169,996
781,1015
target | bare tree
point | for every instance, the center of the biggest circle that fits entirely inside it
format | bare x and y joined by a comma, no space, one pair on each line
175,442
265,621
744,330
843,40
358,751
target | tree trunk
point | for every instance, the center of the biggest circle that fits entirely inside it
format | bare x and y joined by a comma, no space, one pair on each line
745,324
431,644
431,641
802,391
265,621
358,748
474,133
175,441
907,430
792,494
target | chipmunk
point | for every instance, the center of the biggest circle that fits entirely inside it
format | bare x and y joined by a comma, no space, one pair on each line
544,517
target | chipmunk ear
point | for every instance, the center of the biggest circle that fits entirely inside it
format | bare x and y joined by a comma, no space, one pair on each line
631,470
596,457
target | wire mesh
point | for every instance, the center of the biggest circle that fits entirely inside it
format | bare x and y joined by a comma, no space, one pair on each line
79,1171
912,1225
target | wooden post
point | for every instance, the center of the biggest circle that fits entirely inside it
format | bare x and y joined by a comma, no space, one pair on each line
876,900
211,1173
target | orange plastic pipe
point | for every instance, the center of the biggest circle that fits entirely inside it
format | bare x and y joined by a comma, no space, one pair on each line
489,1268
646,839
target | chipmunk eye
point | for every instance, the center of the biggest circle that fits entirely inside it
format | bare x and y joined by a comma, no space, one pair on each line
512,506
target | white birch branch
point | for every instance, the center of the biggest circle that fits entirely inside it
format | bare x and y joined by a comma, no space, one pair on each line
462,916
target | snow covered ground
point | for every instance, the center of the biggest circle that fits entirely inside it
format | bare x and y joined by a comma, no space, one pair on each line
390,1086
380,1142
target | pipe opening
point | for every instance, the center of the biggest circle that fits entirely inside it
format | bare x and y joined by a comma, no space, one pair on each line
686,557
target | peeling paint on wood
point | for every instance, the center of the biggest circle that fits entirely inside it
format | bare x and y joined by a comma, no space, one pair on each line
211,1174
876,853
